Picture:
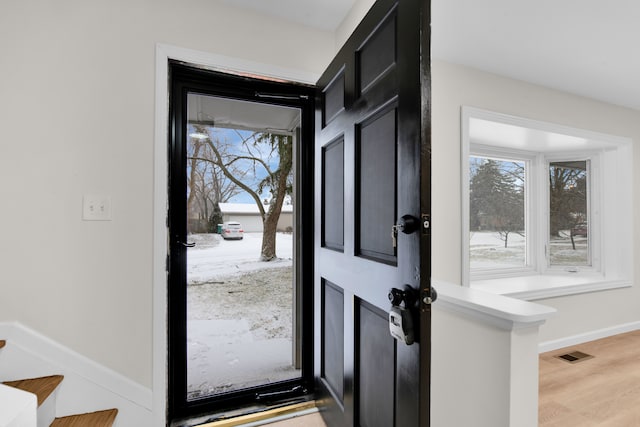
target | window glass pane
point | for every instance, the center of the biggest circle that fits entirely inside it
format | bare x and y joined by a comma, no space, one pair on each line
497,213
568,214
239,272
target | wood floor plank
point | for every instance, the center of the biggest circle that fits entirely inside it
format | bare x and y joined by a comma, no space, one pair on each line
602,391
626,417
551,411
92,419
628,396
41,387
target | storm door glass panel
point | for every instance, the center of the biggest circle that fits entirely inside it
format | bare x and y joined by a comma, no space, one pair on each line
569,232
240,214
497,213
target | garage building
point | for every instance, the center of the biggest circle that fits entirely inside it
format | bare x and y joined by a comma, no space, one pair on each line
248,215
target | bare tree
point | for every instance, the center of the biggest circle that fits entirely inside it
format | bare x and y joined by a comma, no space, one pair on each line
206,185
259,154
192,181
567,195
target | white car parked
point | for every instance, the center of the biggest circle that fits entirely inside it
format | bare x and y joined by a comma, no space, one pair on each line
232,230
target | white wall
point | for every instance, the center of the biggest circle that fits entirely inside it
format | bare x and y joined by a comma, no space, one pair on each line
454,86
484,359
77,117
353,18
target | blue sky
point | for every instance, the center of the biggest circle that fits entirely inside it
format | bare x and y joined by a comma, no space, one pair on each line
233,140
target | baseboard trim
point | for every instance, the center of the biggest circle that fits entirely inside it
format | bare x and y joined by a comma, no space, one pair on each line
587,336
40,346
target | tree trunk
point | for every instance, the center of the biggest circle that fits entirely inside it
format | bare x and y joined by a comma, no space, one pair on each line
269,227
270,218
192,185
270,221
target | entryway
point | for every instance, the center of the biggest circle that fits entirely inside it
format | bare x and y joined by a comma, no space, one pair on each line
362,233
238,306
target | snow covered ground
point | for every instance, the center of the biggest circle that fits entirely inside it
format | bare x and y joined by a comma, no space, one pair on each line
487,250
239,311
213,257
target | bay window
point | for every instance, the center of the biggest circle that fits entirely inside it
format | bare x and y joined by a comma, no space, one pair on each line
546,208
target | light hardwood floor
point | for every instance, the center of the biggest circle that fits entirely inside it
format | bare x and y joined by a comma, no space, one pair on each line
603,391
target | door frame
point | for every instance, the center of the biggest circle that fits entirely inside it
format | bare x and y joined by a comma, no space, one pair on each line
160,249
186,79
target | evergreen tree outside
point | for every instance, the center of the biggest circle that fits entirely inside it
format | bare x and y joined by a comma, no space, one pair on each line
497,196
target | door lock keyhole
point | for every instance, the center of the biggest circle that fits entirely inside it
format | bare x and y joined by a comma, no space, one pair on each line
408,224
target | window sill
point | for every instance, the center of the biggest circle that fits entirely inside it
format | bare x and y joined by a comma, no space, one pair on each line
536,287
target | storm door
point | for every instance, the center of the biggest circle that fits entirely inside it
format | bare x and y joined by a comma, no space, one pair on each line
372,229
238,304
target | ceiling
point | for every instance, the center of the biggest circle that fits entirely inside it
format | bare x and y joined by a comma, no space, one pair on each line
585,47
234,114
527,138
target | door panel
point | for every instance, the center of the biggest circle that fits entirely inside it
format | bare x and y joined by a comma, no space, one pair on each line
372,120
375,159
378,54
375,380
333,99
333,201
333,340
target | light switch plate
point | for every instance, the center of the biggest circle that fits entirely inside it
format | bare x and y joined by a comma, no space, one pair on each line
96,208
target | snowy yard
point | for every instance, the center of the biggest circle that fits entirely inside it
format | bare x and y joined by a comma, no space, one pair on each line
487,250
214,257
239,312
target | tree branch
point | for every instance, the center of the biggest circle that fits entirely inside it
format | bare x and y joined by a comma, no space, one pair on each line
235,180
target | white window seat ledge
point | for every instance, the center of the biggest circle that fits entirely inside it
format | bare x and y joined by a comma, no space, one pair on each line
535,287
489,307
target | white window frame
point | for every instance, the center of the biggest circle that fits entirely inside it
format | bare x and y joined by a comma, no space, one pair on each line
594,207
609,211
529,159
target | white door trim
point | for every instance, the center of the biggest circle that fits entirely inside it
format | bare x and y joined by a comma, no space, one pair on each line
164,53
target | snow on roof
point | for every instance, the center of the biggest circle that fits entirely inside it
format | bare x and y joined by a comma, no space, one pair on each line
247,208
